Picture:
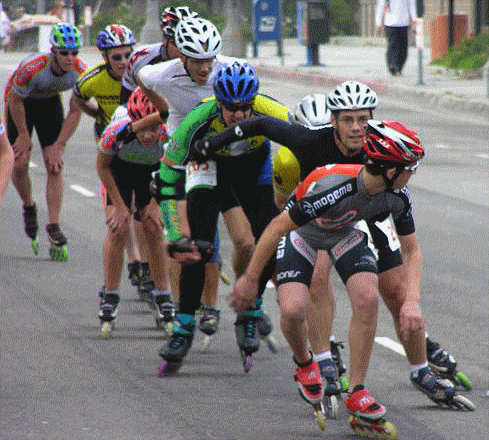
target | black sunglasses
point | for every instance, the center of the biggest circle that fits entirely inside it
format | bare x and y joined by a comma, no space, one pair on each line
119,56
230,107
65,53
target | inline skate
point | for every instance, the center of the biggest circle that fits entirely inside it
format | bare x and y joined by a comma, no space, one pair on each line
247,336
208,324
31,226
108,312
443,364
134,271
178,345
332,387
265,328
367,416
311,388
146,285
335,354
439,390
164,311
58,250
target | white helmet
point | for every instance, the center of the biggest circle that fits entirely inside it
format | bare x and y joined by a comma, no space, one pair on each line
197,38
312,111
352,95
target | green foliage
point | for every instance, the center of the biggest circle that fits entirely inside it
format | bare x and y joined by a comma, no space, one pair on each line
122,14
470,54
342,18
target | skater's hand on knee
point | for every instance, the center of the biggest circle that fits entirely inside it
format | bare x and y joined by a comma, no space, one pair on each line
184,251
118,219
54,157
411,319
243,294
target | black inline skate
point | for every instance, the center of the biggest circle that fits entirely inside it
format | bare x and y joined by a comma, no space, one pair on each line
439,390
247,335
335,353
265,328
146,284
164,311
444,364
178,346
58,251
332,386
31,226
134,271
108,312
209,324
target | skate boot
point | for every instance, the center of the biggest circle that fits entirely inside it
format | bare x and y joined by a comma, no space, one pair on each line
311,388
58,250
367,416
439,390
247,335
445,365
178,345
108,311
135,274
146,284
208,324
30,226
335,353
265,328
164,311
332,386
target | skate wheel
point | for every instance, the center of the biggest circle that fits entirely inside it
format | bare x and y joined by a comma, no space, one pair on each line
461,402
169,329
320,416
224,277
168,368
59,253
35,245
106,329
206,344
247,363
379,429
344,384
331,406
271,344
463,380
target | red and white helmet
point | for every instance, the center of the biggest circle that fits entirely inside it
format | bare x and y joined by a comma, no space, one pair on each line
392,144
139,106
170,17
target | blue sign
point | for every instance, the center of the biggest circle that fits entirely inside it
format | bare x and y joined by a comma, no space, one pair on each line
267,20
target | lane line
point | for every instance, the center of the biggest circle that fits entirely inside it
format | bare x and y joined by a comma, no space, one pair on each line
482,156
82,190
32,165
390,344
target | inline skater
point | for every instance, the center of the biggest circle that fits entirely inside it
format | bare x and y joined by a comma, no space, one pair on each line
351,104
32,99
232,181
125,162
6,161
321,215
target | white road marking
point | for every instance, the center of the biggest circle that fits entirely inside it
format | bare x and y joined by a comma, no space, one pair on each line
442,146
82,190
32,165
482,156
390,344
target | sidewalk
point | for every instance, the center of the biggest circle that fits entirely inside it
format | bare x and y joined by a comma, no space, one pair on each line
357,59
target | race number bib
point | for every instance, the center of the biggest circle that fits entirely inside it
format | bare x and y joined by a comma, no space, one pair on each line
387,228
200,175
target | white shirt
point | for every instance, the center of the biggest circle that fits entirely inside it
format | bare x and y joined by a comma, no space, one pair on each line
170,80
397,12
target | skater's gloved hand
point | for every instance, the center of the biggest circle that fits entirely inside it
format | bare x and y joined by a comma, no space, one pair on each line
184,251
411,319
200,151
164,184
244,293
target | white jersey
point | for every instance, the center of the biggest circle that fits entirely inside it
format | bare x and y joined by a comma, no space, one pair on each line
171,80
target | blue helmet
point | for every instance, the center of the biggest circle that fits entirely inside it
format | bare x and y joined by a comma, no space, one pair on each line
115,35
65,36
236,82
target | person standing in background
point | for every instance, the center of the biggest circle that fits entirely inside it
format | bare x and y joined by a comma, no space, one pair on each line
396,16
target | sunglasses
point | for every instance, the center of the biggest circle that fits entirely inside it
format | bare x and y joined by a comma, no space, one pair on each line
65,53
230,107
119,56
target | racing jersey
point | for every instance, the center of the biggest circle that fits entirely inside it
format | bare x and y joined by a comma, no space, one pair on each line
99,84
332,199
34,78
171,80
145,55
129,149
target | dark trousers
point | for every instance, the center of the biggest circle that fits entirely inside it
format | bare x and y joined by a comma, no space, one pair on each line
397,47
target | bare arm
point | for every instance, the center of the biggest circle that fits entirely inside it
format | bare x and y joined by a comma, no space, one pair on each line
159,101
88,106
6,162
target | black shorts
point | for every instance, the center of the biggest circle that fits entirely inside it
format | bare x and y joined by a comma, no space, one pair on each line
45,115
132,179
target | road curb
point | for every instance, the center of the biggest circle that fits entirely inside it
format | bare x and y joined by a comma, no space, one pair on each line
417,94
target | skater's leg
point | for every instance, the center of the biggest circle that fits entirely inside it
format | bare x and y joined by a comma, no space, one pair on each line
54,194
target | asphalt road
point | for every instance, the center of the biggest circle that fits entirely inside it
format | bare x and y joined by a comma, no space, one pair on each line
60,380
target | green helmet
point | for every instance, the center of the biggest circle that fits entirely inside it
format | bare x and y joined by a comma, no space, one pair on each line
65,36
